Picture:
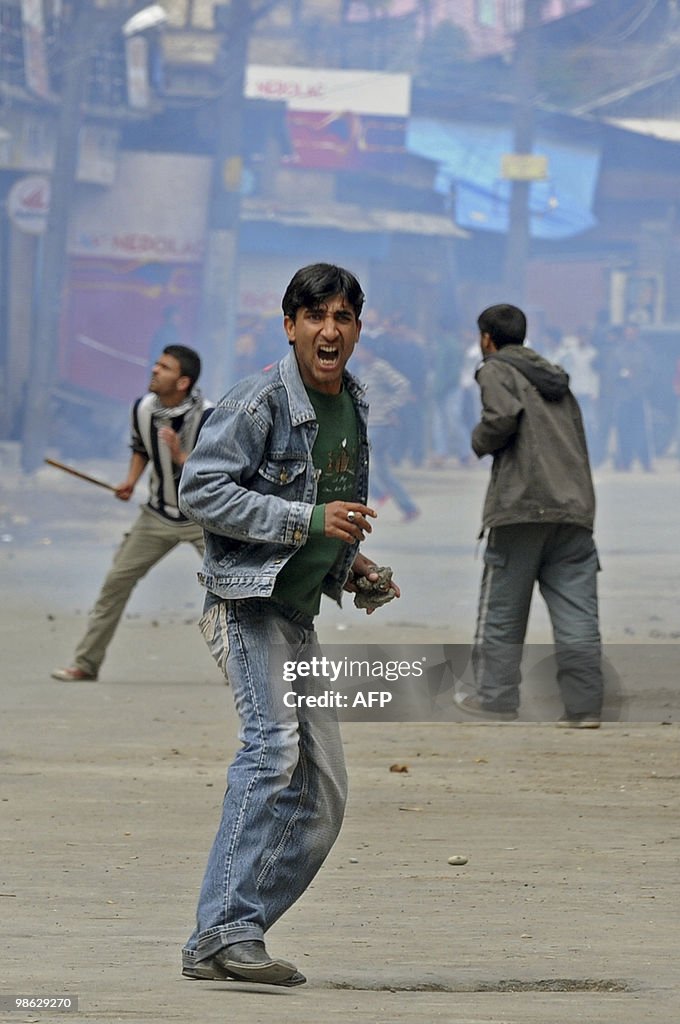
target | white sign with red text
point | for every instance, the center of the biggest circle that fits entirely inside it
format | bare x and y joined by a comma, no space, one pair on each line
324,89
156,211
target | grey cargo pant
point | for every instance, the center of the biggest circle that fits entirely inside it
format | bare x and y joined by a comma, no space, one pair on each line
563,560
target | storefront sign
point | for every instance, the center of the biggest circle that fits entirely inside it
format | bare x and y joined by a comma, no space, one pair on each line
337,119
28,203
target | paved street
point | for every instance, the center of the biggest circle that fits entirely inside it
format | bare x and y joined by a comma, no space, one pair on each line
566,908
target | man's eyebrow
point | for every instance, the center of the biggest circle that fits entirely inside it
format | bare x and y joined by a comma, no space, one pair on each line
344,311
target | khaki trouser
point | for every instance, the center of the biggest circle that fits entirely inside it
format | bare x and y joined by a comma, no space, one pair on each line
149,539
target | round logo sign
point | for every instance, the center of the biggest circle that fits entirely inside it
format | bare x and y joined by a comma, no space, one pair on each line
28,202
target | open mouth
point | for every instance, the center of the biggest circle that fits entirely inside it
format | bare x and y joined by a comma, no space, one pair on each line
328,355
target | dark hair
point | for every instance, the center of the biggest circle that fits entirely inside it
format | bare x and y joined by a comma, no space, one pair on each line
505,325
189,361
311,286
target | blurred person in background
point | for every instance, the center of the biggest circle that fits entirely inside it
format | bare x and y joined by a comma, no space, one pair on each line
578,357
165,426
387,393
405,350
606,340
631,381
448,436
461,409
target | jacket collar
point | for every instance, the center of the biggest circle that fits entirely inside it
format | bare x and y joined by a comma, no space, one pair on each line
301,410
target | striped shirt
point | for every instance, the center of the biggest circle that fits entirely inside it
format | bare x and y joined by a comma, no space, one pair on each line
148,417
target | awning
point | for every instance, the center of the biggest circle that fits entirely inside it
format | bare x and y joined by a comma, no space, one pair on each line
469,157
349,217
656,128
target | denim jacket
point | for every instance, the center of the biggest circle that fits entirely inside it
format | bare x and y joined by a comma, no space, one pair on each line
251,484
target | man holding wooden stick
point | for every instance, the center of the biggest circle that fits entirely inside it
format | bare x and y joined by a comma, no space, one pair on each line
165,425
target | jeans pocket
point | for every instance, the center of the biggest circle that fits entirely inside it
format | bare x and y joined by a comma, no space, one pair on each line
213,627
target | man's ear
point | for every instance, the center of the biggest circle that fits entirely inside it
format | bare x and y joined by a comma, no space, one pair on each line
485,342
289,327
184,383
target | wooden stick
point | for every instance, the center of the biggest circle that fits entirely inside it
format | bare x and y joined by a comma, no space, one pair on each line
81,476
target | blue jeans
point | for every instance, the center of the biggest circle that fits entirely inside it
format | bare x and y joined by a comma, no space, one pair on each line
287,786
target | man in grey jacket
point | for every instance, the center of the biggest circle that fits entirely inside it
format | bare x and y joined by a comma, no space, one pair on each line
539,511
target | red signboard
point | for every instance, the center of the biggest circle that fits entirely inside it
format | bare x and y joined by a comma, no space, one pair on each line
334,141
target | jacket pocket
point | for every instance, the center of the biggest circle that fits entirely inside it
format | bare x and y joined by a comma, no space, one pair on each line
281,470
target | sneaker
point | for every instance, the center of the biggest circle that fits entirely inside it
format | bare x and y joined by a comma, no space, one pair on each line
73,675
584,720
474,706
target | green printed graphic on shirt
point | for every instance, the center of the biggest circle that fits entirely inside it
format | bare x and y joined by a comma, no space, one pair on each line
335,448
335,457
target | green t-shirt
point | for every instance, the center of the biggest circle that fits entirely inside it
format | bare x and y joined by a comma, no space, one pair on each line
335,455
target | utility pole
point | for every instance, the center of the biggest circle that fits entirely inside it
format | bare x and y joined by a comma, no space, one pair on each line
51,263
219,298
88,24
519,216
220,273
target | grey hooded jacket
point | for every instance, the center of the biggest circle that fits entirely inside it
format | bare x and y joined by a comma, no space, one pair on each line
531,424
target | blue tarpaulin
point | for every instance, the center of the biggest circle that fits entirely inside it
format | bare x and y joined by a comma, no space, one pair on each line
469,158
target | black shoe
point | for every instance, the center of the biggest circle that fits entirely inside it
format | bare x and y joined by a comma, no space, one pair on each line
209,970
205,970
250,961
